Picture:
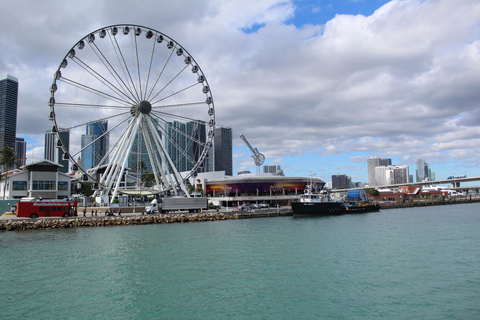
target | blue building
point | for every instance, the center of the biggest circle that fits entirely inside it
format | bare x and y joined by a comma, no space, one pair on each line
94,144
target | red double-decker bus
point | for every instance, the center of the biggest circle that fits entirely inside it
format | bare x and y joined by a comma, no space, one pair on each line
35,209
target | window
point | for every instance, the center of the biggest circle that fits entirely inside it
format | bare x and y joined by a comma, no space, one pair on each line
43,185
19,185
62,185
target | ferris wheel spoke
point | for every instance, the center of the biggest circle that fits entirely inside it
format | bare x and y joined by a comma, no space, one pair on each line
92,90
169,82
94,121
175,93
149,69
112,71
159,114
181,132
137,65
101,78
83,105
199,103
99,137
159,75
123,63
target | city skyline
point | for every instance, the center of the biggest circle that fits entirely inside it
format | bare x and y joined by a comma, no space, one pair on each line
354,79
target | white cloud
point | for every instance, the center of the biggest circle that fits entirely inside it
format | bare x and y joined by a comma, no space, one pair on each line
403,81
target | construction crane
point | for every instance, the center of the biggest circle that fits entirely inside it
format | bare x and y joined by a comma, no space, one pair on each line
258,158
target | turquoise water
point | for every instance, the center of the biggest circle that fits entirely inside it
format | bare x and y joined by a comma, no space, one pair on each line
416,263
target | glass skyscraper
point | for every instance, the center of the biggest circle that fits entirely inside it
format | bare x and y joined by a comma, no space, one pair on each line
8,111
94,144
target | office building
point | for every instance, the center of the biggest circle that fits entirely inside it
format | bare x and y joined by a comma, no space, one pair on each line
95,145
21,151
223,142
341,181
8,111
372,163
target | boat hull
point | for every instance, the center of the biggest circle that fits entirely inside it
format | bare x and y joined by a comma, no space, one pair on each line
301,209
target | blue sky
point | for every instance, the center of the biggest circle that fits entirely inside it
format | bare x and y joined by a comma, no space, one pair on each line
317,86
319,12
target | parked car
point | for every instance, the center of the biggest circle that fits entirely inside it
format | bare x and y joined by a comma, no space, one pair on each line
246,206
263,205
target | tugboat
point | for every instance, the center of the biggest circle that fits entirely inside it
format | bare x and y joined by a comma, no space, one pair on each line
312,204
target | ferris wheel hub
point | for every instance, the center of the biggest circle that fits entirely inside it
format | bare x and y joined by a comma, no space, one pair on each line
145,107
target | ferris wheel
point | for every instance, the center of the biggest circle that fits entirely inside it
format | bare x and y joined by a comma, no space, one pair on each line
127,98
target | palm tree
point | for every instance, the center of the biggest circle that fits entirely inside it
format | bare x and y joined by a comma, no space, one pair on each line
8,159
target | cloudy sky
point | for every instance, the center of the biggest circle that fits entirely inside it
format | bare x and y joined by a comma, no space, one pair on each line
316,85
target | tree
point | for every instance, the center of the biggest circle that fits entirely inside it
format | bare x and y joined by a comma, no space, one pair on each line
372,192
85,189
148,179
8,159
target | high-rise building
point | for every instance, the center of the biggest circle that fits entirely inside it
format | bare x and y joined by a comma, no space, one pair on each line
95,144
21,151
223,142
54,154
8,111
50,146
423,172
389,175
341,181
372,163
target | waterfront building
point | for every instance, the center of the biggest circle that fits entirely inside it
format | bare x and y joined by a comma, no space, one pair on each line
41,179
223,142
8,111
273,169
94,144
341,181
372,163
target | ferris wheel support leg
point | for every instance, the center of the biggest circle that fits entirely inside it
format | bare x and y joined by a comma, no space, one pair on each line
109,171
114,169
176,174
154,160
123,160
167,178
